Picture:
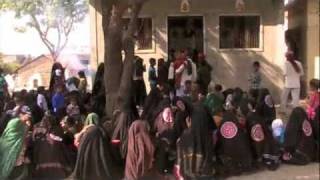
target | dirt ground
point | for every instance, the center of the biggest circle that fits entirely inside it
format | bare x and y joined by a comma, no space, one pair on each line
285,172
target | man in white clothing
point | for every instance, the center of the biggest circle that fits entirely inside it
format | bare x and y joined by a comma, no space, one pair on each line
292,72
189,73
41,100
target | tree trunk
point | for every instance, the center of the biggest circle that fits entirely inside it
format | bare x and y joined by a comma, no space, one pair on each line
125,91
113,59
118,73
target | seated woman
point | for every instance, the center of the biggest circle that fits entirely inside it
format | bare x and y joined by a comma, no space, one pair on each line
264,147
184,108
233,99
232,161
140,151
164,136
243,110
315,125
94,160
214,100
195,151
163,119
265,106
313,107
69,130
91,120
237,97
151,103
13,146
313,98
121,123
51,157
299,143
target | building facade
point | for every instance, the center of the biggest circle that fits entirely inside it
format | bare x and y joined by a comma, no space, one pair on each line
37,72
33,74
303,34
232,37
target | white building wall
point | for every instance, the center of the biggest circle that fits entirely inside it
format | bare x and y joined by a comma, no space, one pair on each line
230,67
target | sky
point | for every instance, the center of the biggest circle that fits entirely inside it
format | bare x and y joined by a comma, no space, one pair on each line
29,43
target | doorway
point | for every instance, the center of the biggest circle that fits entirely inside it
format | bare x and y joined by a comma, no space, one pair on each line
185,33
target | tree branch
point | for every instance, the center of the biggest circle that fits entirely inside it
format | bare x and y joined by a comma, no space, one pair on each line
66,32
43,37
59,38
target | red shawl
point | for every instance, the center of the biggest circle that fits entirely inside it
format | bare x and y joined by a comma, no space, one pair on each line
179,62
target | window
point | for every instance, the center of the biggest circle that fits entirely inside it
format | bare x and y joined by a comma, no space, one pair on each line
84,62
239,32
143,34
35,83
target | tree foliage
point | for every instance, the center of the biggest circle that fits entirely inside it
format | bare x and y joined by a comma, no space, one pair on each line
8,68
54,17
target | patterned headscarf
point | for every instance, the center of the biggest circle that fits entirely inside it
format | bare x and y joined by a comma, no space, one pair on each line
92,119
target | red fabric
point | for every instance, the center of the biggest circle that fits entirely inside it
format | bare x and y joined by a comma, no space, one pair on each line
313,104
177,64
177,173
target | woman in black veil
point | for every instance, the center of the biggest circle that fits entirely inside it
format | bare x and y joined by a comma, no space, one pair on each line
184,109
57,76
51,157
98,92
162,128
195,148
264,147
299,143
265,106
230,135
151,104
94,160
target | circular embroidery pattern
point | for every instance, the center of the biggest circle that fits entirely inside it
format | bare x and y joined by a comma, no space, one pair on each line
269,101
286,156
257,133
229,130
306,127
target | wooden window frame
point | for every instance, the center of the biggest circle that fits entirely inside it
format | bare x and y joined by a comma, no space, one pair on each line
261,33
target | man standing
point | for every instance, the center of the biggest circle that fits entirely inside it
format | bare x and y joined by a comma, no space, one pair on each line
185,70
152,73
292,72
41,99
13,161
204,73
255,80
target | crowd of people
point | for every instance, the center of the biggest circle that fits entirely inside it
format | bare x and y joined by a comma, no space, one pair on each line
186,128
